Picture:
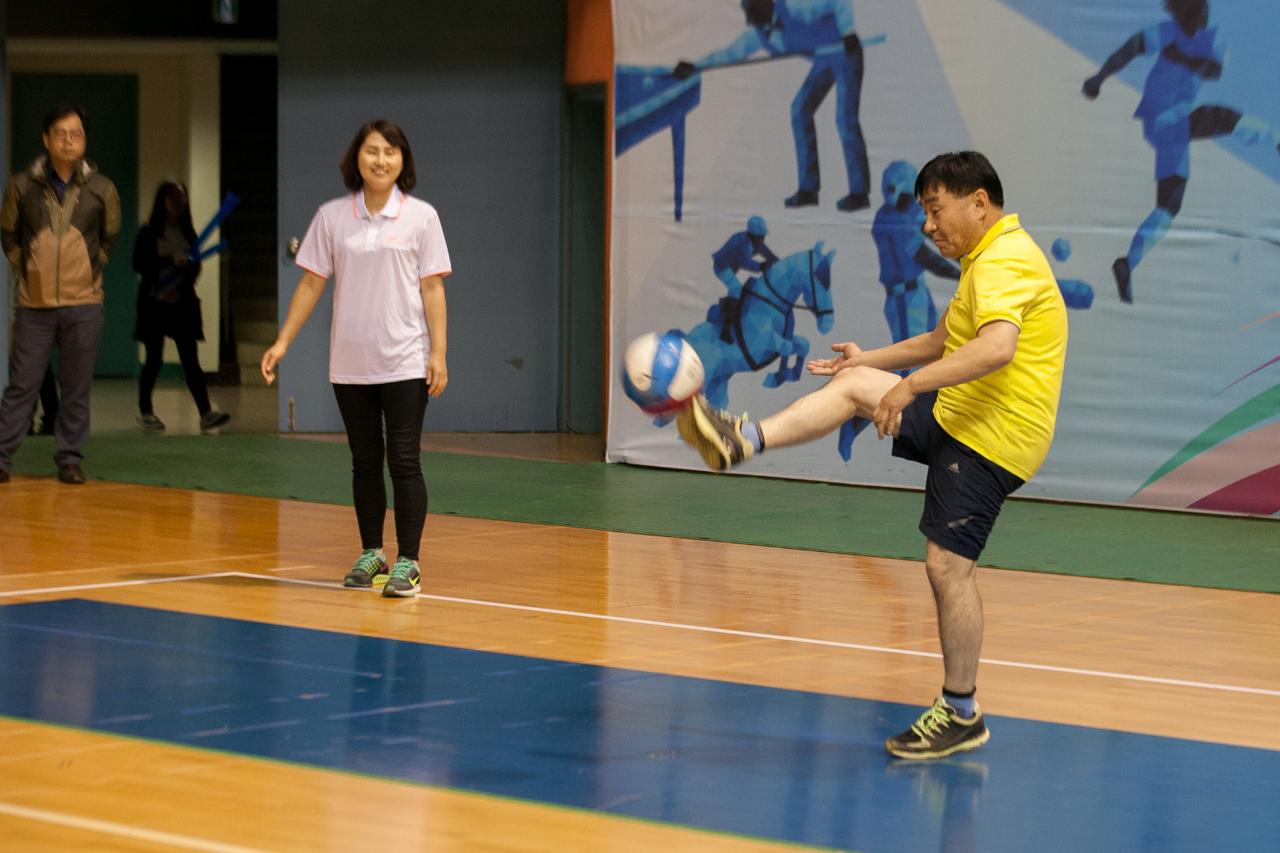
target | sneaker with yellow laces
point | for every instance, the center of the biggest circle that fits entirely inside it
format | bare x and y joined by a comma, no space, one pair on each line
939,732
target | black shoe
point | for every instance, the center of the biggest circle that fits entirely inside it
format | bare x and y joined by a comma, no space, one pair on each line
802,198
853,201
4,476
939,732
213,419
717,436
71,474
1120,269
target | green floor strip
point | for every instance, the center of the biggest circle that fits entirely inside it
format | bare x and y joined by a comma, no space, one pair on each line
1104,542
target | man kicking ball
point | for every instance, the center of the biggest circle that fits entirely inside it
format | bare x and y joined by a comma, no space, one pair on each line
979,411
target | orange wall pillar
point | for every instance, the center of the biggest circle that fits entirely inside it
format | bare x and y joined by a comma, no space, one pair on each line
588,59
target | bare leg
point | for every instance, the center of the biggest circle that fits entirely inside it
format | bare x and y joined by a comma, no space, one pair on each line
960,624
856,391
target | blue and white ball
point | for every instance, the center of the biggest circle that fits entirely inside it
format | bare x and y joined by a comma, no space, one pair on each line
661,373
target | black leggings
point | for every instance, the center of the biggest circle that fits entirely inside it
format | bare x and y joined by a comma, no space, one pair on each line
402,406
190,369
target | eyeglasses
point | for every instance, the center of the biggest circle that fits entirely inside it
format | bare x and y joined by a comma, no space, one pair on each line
73,135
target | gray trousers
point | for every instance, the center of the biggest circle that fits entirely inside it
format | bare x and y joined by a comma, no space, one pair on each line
75,331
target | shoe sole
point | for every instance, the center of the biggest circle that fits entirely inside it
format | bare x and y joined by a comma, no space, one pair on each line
378,580
392,592
690,424
962,746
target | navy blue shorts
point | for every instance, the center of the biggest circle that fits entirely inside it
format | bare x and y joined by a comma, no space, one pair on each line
964,491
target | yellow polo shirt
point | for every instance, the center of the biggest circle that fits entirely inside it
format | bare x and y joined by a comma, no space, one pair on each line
1008,415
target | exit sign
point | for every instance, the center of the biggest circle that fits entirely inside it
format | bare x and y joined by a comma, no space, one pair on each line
226,11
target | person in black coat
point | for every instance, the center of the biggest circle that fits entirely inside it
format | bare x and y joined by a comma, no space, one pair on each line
167,303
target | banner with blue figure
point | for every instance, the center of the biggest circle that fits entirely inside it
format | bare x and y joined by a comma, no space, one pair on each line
729,115
756,329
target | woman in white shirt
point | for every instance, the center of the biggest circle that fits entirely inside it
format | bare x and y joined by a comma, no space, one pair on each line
386,254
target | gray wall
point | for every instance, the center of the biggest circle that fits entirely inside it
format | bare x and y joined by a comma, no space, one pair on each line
477,87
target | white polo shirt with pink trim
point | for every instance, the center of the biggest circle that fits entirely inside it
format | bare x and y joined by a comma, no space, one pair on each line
379,332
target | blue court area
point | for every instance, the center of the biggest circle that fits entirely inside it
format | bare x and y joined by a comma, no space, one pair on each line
778,764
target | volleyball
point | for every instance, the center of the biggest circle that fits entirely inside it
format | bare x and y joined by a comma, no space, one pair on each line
661,373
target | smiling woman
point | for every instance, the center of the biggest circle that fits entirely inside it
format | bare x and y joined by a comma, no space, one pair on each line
386,253
378,159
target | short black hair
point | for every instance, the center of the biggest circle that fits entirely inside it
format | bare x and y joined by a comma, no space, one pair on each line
759,12
961,173
1190,15
391,132
61,111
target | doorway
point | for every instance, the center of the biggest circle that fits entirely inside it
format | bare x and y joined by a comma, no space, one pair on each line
583,293
110,102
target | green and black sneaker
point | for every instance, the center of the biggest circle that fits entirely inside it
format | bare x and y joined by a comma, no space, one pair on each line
405,580
716,435
370,570
939,732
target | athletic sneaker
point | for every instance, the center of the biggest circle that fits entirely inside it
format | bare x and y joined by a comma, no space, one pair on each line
405,580
939,732
150,423
213,419
716,435
370,570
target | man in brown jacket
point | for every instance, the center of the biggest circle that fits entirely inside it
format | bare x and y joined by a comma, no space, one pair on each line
58,226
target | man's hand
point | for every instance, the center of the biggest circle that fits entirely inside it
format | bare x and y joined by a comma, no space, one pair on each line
684,69
888,414
848,357
851,43
1092,87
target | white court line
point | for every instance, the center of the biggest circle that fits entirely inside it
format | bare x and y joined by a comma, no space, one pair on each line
144,565
756,635
106,827
111,584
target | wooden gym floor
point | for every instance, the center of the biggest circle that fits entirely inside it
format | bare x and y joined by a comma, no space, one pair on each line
183,671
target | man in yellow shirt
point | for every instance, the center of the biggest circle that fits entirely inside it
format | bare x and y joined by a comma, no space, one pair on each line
979,411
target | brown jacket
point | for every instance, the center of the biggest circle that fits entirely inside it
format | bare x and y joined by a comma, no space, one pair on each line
59,249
